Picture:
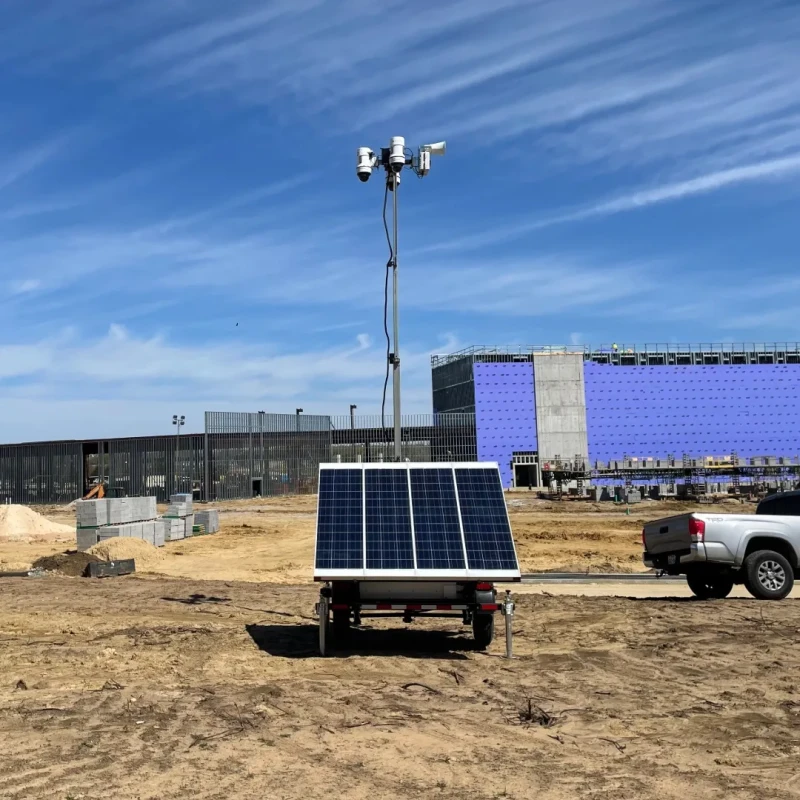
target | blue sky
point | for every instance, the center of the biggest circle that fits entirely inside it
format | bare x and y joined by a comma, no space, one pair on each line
625,170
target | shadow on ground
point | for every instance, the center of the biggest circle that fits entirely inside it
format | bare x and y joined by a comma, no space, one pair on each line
197,599
302,641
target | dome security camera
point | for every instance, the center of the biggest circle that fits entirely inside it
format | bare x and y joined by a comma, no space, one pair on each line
365,162
397,154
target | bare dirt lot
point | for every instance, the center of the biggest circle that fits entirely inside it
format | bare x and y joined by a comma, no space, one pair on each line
162,688
204,681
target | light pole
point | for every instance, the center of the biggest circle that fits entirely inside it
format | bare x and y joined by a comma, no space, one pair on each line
353,407
393,159
178,422
261,416
297,413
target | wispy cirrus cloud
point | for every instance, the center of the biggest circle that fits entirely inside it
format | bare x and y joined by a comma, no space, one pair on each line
763,171
66,371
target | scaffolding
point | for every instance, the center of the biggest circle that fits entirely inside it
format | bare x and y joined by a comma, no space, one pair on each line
685,476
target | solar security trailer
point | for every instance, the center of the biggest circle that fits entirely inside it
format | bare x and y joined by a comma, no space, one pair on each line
412,539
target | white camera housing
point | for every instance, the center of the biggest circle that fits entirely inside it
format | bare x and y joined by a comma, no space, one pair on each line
365,163
397,153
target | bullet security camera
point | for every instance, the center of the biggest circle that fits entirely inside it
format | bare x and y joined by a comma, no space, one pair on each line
365,163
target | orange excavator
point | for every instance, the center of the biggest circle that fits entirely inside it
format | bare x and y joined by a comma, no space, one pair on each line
97,492
101,489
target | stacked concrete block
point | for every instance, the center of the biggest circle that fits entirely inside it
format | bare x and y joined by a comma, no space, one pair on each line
158,533
147,531
174,529
179,508
208,519
91,513
87,538
112,517
188,522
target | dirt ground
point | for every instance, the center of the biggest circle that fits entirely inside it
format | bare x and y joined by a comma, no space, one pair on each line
273,539
151,688
205,681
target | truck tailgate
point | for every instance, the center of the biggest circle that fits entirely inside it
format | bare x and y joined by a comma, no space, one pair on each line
668,535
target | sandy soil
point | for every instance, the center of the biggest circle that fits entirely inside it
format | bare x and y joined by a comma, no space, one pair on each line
165,688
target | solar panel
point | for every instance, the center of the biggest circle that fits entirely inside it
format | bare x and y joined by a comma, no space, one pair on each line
487,532
340,519
437,529
388,519
403,520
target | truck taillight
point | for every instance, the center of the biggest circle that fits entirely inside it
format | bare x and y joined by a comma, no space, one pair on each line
697,529
483,587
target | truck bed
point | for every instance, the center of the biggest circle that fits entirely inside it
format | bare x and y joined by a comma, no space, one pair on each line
719,538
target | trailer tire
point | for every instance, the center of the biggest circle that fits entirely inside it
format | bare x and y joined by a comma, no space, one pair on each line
483,630
708,585
768,575
324,634
341,625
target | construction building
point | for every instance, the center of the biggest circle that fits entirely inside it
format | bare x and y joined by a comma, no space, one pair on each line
591,411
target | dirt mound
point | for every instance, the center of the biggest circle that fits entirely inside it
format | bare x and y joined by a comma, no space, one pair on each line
73,564
23,524
147,557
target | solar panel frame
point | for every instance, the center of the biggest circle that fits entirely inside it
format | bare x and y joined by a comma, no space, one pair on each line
468,573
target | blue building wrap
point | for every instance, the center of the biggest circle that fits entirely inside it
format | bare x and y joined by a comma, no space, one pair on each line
648,411
750,409
505,412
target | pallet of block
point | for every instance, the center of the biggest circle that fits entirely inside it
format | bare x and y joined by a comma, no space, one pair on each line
152,531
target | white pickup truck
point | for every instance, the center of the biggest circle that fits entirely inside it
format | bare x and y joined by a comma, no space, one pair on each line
716,551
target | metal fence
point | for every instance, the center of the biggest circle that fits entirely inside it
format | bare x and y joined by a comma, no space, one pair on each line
157,466
238,456
258,454
41,473
59,472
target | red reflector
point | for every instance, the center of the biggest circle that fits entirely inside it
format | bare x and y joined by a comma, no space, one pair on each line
384,606
484,587
410,607
489,606
697,529
643,544
339,606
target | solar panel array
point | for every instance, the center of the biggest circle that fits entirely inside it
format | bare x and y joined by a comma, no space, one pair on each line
413,519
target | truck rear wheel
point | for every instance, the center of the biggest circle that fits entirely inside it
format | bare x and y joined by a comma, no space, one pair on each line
768,575
483,630
707,585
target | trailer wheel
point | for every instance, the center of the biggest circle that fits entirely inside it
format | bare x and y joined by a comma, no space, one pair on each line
324,626
483,630
341,625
